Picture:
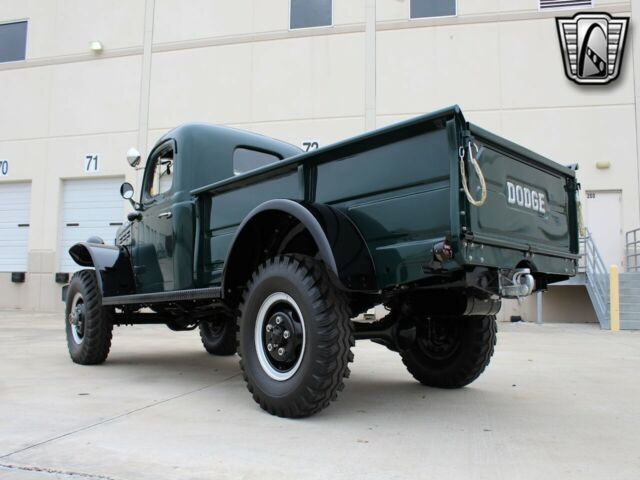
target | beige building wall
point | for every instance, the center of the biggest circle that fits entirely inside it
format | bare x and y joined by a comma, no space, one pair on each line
238,63
560,304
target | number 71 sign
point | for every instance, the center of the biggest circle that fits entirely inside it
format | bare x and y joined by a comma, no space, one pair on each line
90,163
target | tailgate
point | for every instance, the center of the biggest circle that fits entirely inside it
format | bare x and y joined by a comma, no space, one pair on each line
531,201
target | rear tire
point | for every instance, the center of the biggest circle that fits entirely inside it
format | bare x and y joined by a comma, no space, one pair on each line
451,353
219,336
295,336
88,323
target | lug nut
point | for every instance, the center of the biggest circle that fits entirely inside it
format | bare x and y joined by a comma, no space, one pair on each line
278,320
286,334
269,347
269,327
281,351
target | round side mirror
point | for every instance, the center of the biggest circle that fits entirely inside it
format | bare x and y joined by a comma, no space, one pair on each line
133,157
126,191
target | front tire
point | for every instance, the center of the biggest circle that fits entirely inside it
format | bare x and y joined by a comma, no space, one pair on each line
451,352
88,323
219,336
295,336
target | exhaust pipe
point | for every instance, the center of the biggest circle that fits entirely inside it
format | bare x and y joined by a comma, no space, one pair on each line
520,284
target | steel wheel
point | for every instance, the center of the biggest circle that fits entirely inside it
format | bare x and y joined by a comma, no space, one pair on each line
451,352
218,335
88,325
77,318
280,336
441,340
294,336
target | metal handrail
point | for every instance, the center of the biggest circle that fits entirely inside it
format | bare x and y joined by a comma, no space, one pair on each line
581,261
596,271
632,250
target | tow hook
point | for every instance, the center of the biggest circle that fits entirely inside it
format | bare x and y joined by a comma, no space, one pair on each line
519,284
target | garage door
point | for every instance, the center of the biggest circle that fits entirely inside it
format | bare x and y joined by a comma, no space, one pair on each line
89,207
15,206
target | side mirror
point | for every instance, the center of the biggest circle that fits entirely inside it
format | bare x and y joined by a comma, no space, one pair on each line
133,157
126,192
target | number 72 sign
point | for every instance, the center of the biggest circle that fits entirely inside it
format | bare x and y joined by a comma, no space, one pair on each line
90,163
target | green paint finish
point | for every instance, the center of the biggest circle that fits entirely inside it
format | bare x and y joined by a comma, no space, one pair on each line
483,254
219,245
399,185
526,199
229,208
403,230
417,160
164,248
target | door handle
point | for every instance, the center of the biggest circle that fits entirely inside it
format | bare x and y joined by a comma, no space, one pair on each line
165,215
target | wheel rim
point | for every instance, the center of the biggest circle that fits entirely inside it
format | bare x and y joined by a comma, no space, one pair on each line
441,339
214,330
77,317
280,336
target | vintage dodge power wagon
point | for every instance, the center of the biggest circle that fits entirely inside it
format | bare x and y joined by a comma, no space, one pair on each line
273,252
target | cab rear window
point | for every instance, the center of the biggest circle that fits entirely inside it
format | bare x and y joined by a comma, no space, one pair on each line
246,159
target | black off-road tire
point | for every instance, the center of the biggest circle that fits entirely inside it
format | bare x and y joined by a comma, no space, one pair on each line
328,336
472,341
219,336
91,345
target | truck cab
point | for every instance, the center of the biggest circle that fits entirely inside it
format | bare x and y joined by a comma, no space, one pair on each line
160,235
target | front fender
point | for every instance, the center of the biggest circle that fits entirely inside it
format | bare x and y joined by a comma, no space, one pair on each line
112,264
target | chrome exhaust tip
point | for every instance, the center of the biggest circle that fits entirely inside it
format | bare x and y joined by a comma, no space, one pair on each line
519,284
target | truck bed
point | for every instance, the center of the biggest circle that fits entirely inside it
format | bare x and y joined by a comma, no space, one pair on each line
401,187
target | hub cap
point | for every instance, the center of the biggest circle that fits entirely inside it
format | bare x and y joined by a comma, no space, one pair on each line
279,336
77,318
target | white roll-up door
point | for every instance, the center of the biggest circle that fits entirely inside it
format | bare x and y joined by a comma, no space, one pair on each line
90,207
15,209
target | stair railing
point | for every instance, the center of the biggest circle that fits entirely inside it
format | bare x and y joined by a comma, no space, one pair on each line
597,274
632,250
581,261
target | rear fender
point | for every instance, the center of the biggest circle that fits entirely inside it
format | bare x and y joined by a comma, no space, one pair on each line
112,265
339,243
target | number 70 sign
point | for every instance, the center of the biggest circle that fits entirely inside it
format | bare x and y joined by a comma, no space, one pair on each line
90,163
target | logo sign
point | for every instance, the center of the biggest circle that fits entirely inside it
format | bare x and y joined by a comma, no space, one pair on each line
592,46
526,197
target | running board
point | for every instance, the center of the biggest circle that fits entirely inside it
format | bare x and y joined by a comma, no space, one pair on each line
210,293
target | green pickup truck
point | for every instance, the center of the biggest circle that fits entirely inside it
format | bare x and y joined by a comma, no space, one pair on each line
273,252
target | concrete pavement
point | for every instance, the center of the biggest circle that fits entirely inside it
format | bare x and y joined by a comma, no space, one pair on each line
558,401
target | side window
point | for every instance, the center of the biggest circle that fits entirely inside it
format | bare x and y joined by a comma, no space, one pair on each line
13,41
160,177
245,159
310,13
431,8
